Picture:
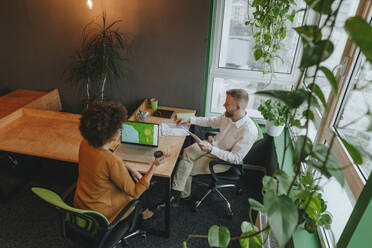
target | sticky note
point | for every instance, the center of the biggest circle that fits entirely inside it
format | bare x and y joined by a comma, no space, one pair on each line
185,115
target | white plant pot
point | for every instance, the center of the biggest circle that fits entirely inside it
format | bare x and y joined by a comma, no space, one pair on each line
273,130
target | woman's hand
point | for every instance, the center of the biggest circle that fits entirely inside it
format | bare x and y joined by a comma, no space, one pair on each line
136,175
158,161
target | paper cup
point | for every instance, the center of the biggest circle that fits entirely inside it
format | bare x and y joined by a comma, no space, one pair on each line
154,103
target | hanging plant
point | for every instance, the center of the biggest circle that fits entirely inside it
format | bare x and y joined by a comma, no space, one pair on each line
269,27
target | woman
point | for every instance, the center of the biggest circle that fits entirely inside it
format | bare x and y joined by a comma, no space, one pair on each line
104,183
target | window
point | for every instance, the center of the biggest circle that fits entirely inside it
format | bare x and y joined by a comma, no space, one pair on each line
353,122
339,39
232,63
347,117
237,44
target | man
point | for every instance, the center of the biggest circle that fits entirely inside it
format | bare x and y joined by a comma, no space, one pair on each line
236,137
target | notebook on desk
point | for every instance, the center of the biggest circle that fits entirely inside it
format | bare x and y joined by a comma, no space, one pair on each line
139,141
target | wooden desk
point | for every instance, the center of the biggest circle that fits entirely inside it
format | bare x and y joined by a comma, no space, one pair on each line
55,135
11,116
41,133
171,143
17,99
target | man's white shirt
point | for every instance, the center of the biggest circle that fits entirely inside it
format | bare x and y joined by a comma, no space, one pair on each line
234,140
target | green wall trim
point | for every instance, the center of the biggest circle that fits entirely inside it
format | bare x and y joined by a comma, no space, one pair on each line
357,229
304,239
279,149
212,16
362,236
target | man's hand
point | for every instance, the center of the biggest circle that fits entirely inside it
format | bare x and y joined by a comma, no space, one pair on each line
205,146
180,121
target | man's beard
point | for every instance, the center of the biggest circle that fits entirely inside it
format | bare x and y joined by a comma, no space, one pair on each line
228,114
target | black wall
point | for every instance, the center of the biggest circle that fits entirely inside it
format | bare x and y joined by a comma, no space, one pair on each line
38,37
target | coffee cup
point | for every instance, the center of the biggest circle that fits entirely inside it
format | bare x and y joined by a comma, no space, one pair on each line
154,103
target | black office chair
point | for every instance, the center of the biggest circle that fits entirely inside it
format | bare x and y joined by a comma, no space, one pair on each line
90,228
256,160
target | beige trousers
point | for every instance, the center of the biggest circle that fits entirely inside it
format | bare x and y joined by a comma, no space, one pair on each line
194,161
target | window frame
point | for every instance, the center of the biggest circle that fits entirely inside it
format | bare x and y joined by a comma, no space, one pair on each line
326,130
214,71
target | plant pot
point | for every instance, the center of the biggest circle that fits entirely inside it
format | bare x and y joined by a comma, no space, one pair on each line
273,130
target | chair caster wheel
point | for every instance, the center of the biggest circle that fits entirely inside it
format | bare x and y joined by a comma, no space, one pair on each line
230,215
239,191
143,234
195,206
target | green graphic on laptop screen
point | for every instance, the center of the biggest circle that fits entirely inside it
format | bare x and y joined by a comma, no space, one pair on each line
140,133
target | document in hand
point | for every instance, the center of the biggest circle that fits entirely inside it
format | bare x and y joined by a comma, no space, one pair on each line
196,138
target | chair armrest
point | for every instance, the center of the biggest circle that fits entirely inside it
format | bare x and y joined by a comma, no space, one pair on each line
239,166
129,206
255,167
216,162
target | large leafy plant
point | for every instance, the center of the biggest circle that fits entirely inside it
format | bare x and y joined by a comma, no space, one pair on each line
292,202
100,59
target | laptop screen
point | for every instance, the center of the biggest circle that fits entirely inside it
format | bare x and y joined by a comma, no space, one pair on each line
140,133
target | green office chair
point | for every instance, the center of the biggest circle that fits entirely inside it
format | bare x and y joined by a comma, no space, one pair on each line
252,161
90,228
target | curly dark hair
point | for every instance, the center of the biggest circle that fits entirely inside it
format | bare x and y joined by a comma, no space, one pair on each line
100,122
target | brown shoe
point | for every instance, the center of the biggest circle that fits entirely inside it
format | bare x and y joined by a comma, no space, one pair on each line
147,214
176,201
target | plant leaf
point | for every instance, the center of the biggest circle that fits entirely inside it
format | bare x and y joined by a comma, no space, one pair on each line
247,227
184,244
326,220
321,6
292,99
284,181
252,242
354,153
218,236
313,210
360,32
312,52
257,54
269,184
308,114
256,205
332,166
310,32
298,147
331,79
319,93
283,218
318,166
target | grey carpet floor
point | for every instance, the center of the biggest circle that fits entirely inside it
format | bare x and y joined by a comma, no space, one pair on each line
28,222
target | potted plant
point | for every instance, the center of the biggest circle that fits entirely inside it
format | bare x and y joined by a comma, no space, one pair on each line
275,113
101,57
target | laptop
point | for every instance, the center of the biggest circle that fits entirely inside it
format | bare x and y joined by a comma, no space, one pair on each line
139,141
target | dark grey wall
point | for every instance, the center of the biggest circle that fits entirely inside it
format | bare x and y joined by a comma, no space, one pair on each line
169,48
